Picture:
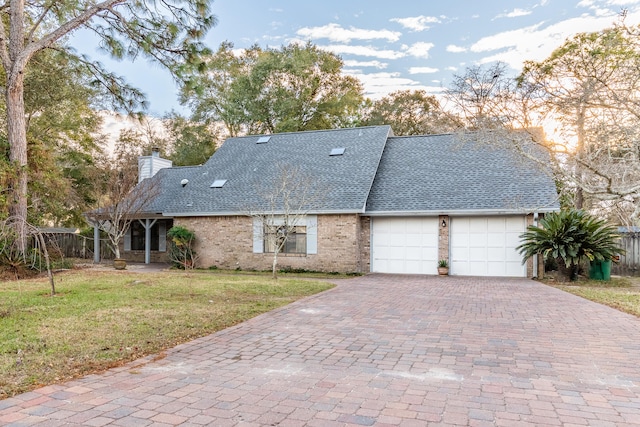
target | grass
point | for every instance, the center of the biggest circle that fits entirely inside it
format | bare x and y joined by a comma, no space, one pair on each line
102,319
620,293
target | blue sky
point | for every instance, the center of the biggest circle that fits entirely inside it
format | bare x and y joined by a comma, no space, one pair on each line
390,45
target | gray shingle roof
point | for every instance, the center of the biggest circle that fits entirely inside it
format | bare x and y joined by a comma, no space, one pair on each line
249,167
443,174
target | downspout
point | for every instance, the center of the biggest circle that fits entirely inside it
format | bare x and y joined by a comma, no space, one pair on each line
535,256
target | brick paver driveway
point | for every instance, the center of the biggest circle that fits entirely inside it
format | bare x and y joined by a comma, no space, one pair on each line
379,350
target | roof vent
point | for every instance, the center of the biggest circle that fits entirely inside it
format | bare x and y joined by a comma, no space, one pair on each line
263,139
218,183
184,182
337,151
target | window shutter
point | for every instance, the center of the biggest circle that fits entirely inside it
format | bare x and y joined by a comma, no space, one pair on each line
258,236
162,236
312,234
127,239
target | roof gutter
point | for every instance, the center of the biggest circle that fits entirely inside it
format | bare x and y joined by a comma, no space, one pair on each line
459,212
245,213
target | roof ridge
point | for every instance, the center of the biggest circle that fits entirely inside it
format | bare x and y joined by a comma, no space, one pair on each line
309,131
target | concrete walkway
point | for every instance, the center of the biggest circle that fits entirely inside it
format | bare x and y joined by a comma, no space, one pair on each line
378,350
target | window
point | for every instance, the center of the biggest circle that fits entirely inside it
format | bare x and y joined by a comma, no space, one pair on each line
337,151
134,238
295,242
302,240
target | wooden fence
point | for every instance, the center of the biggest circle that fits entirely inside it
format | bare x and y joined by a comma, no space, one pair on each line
629,264
72,245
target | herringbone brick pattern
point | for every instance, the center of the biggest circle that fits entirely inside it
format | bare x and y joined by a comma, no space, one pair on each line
378,350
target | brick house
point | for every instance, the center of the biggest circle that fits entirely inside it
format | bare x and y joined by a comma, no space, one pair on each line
390,205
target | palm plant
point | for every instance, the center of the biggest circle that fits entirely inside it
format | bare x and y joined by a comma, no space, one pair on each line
570,236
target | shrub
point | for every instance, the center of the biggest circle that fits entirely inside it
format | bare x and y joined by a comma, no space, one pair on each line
181,252
568,237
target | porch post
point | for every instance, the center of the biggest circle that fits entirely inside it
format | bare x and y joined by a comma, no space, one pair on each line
96,243
147,241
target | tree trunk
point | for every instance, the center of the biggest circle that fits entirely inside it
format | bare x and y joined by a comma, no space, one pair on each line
580,123
274,268
17,138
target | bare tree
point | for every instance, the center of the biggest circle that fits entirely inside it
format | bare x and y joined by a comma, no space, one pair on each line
122,200
12,253
481,96
285,204
589,87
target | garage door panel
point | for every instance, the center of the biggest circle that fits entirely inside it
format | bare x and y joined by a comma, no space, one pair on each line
477,268
459,240
486,246
513,238
477,253
514,224
513,256
515,268
413,255
495,255
413,240
429,253
496,240
405,245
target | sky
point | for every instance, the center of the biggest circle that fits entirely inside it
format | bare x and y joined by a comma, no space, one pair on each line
389,45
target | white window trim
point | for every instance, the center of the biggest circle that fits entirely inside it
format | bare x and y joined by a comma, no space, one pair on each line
310,221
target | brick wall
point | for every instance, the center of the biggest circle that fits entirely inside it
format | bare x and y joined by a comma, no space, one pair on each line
443,238
227,242
365,244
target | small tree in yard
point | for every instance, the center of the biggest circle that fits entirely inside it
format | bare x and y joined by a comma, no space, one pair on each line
181,251
286,203
122,200
569,237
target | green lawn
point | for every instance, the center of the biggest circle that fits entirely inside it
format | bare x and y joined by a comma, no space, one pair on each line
620,293
100,319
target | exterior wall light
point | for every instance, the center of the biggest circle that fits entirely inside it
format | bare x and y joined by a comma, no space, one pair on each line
444,223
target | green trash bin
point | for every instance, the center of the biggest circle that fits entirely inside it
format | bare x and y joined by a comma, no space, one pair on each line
600,270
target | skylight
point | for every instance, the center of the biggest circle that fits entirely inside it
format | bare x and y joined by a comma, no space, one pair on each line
337,151
263,139
218,183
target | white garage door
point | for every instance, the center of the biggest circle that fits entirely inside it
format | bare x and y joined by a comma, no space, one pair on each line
486,246
405,245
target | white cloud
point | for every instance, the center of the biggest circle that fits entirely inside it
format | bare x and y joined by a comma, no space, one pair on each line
417,23
454,69
419,50
374,64
456,49
422,70
514,13
337,33
605,3
363,51
377,85
536,42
